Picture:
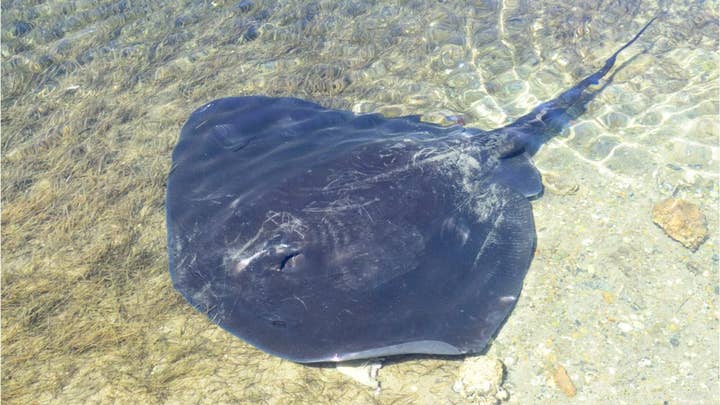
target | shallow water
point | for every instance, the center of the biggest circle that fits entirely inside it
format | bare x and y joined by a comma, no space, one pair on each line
93,97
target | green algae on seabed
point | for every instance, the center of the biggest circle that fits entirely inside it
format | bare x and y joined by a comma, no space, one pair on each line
93,97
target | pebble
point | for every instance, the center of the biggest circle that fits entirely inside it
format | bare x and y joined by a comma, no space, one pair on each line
563,381
682,221
480,380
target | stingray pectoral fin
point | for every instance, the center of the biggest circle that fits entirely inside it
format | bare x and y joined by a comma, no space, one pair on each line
519,173
415,347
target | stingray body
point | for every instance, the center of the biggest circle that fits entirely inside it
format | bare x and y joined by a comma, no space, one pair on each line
321,235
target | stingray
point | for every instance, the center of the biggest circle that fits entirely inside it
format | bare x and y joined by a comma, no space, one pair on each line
317,234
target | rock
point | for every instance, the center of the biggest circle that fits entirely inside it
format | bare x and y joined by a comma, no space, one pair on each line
563,381
480,380
682,221
363,371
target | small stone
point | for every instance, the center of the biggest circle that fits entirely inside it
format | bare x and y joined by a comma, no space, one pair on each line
682,221
563,381
480,380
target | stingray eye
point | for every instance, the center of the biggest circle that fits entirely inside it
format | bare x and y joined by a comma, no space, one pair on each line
290,260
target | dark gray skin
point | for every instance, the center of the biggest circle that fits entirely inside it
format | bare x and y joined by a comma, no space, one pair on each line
320,235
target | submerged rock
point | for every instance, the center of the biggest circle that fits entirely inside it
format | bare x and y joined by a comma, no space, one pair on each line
682,221
480,380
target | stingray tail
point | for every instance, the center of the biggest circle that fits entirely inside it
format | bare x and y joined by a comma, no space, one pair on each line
530,131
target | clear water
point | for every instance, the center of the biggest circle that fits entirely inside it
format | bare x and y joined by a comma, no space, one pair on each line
94,94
